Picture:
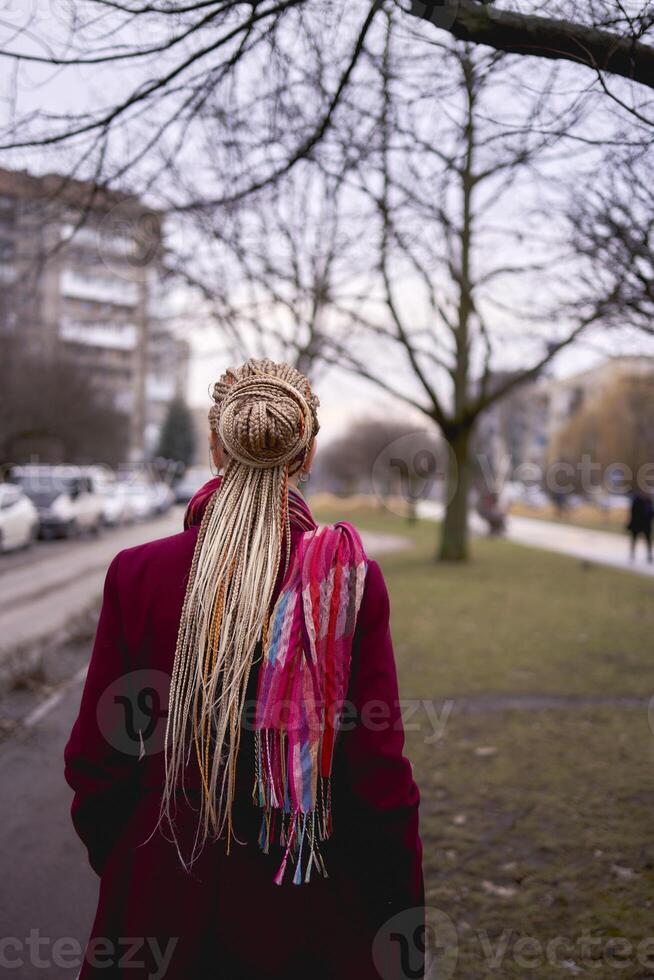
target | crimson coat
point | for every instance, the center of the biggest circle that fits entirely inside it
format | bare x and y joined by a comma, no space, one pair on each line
225,918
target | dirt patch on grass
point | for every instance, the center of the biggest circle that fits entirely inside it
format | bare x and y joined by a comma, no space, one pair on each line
548,836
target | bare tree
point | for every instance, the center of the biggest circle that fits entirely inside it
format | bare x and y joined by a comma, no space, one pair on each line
613,231
50,409
268,270
607,37
225,101
451,275
159,73
385,456
456,279
144,77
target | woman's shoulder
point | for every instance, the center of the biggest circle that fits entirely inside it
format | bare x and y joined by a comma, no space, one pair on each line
375,604
155,556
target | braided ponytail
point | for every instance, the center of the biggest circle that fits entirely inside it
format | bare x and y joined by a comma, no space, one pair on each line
265,414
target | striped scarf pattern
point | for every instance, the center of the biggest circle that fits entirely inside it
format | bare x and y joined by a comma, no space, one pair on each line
302,686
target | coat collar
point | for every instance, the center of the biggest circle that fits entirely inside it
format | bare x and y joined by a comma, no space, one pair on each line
300,512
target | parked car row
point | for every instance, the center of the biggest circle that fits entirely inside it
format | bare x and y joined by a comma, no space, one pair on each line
19,520
65,501
190,482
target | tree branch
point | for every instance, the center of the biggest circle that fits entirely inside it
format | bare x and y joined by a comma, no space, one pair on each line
487,399
544,37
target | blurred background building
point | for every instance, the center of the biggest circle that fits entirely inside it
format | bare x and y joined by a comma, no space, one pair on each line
81,279
527,424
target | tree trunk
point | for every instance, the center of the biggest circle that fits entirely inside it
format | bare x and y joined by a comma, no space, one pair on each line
454,532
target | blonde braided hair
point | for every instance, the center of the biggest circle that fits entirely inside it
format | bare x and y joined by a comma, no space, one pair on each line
265,415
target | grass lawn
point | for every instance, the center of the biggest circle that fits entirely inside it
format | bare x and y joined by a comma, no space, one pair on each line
536,821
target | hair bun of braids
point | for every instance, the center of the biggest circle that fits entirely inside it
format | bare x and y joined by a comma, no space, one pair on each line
265,421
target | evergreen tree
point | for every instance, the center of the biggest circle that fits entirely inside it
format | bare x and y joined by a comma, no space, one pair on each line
177,439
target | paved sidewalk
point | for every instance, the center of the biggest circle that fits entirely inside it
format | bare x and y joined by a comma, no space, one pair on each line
40,592
600,547
377,543
49,892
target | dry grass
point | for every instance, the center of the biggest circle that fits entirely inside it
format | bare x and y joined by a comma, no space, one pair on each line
536,823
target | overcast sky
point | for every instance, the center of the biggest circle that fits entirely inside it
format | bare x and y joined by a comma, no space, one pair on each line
62,91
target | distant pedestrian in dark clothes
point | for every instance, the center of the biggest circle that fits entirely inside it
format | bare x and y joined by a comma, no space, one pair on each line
640,521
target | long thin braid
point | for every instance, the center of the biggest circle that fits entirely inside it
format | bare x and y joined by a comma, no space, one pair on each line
265,415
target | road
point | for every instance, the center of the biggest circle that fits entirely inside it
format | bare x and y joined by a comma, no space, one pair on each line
48,891
43,588
600,547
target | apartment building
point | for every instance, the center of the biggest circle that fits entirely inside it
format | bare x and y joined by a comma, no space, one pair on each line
79,271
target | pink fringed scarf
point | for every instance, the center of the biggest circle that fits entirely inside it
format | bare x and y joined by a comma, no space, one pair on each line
302,687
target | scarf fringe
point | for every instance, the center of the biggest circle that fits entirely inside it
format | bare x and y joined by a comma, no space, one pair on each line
298,831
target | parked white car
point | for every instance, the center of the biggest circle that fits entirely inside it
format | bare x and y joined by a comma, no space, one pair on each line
116,509
194,478
65,498
139,498
164,498
19,520
115,506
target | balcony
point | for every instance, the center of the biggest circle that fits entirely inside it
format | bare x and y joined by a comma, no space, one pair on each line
109,336
159,389
99,289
